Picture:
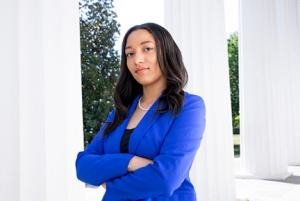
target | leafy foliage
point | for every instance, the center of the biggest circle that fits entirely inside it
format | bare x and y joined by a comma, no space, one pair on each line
99,62
232,44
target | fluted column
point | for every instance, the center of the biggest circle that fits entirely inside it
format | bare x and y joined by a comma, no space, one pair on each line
289,35
9,122
298,11
263,82
198,26
42,86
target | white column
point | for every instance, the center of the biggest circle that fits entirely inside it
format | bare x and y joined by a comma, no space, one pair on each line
43,89
298,11
262,92
198,26
9,123
289,35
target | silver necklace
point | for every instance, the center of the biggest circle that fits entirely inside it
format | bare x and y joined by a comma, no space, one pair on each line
140,105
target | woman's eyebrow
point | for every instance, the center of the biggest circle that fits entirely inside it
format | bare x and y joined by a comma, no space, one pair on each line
142,43
147,41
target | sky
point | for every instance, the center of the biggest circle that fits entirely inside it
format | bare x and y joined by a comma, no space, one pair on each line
132,12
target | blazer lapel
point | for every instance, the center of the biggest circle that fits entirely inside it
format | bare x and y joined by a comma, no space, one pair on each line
146,122
112,144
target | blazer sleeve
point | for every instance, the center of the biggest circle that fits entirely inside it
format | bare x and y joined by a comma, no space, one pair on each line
94,167
171,166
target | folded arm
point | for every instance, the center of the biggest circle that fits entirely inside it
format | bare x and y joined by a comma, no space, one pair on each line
94,167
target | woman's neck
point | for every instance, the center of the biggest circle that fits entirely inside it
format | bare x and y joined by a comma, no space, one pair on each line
151,94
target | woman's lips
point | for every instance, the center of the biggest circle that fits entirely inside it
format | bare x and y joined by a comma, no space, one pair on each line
139,70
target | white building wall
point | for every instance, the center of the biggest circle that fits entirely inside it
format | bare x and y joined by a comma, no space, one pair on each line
198,26
42,115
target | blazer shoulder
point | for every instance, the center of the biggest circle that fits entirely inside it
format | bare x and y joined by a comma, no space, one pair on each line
192,100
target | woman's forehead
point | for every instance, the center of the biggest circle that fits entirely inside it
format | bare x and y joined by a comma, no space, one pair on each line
139,37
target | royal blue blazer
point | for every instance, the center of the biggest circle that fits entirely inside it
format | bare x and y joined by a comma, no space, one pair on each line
170,141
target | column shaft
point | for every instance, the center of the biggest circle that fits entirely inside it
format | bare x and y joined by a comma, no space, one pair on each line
42,86
9,123
289,37
262,92
199,29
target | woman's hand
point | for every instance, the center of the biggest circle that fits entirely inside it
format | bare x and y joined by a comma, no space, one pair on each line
103,185
138,162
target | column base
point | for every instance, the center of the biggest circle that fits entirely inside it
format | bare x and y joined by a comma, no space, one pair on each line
246,175
241,173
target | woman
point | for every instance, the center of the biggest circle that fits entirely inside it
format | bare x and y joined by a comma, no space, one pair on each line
146,147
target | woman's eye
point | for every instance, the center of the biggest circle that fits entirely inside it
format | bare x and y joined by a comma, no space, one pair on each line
129,54
148,49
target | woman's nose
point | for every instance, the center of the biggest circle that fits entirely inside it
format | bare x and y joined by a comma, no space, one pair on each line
139,58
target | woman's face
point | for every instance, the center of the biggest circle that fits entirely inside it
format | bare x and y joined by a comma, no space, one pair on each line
141,55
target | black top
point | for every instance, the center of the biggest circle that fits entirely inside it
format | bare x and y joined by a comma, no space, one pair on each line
125,140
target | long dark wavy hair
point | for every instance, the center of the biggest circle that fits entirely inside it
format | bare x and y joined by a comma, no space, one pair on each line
172,67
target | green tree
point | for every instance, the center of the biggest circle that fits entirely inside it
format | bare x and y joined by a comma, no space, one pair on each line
233,59
99,62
